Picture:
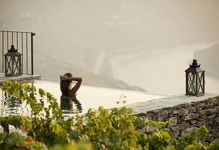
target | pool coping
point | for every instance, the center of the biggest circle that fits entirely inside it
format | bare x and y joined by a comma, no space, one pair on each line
22,78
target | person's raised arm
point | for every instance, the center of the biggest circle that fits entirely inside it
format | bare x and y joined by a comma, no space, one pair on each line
77,85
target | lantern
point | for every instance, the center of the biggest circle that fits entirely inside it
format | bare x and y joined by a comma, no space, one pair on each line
13,66
195,80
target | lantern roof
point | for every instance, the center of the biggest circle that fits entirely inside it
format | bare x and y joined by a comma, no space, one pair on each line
12,52
194,67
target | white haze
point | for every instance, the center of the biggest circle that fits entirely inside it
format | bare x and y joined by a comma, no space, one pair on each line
144,43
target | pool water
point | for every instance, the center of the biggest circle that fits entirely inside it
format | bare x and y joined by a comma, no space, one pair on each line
87,97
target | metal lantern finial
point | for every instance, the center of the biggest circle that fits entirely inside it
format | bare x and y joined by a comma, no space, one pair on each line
195,80
13,65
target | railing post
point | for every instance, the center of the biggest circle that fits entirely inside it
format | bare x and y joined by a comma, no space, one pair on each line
3,66
32,34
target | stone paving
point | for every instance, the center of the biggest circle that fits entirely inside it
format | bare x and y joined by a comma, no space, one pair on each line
143,107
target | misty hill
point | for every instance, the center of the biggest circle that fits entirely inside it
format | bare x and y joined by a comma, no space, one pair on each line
209,60
51,71
56,52
108,40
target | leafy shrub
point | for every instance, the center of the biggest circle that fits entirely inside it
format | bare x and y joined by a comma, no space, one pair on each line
16,141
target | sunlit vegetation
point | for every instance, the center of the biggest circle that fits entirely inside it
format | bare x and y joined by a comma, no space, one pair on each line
47,128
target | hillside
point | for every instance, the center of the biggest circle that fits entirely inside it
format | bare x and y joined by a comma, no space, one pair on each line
132,41
209,60
57,52
51,71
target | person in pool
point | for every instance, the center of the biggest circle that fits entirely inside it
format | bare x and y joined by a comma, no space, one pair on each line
69,91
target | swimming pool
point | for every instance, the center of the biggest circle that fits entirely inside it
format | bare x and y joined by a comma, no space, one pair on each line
88,96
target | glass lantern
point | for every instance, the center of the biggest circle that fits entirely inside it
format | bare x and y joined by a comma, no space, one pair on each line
13,65
195,80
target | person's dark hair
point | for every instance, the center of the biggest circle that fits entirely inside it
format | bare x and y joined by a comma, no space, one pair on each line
65,84
68,74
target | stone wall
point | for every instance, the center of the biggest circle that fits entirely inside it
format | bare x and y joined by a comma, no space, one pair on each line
185,114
